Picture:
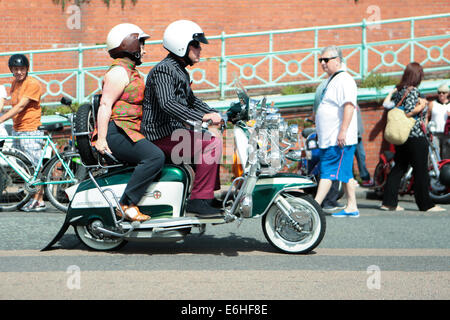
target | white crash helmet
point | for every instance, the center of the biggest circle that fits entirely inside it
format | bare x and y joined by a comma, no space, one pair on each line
119,42
179,34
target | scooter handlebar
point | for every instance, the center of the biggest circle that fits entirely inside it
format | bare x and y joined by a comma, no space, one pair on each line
66,101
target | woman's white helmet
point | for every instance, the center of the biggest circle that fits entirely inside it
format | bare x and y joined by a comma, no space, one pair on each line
120,42
179,34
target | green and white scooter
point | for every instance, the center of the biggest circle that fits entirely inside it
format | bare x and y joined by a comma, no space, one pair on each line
291,220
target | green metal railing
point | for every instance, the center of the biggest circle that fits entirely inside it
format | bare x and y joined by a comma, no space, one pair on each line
269,66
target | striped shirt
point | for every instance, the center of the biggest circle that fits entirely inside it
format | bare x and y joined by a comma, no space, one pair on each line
169,101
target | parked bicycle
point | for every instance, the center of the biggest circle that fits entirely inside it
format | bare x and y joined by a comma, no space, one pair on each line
19,179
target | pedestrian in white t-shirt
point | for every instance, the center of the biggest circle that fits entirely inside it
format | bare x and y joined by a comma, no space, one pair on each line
438,111
337,130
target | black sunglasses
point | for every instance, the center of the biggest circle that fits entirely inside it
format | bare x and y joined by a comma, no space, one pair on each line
442,92
326,59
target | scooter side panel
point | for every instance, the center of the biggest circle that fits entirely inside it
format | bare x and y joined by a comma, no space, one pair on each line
163,198
118,176
157,194
267,187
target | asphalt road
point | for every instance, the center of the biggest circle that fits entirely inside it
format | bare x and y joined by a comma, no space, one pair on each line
380,255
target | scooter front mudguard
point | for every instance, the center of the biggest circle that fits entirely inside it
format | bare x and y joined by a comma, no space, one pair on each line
268,187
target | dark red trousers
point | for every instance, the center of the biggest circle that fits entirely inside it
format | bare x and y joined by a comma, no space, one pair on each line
202,150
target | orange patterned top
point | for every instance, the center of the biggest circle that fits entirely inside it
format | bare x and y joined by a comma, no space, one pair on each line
127,111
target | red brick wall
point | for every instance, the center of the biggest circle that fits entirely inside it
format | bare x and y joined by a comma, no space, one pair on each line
41,24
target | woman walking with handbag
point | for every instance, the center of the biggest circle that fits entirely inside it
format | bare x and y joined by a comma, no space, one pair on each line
414,151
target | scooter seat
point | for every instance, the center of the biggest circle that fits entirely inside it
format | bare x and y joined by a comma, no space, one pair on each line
112,160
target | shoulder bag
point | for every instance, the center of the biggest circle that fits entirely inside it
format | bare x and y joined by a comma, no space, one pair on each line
398,126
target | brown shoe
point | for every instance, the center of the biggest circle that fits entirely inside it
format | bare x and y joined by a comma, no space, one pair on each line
132,213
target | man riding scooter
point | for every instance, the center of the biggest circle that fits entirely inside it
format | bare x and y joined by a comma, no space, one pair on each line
170,103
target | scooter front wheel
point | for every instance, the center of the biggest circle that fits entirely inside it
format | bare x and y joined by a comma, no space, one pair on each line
96,240
301,235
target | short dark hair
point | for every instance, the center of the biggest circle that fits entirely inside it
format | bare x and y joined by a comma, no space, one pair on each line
412,76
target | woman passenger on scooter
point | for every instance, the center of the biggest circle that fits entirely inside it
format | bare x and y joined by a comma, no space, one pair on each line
120,114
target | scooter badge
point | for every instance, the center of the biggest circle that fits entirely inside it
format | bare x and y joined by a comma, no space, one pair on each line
156,194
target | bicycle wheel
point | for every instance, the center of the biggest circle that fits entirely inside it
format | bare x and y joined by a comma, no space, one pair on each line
84,123
55,172
13,188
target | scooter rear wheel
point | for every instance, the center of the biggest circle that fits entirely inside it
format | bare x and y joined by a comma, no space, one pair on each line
283,235
97,241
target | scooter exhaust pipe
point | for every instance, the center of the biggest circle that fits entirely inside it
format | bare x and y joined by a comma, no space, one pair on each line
98,228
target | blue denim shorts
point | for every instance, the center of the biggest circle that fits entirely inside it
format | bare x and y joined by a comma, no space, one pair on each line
336,163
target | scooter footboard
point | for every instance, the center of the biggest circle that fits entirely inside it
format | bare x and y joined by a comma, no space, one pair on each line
268,187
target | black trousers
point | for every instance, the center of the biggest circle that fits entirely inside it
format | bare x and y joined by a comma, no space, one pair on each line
413,152
147,157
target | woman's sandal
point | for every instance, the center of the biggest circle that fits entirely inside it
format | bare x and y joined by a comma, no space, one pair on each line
136,215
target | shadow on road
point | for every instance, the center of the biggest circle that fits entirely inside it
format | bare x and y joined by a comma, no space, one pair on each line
231,245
